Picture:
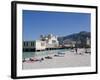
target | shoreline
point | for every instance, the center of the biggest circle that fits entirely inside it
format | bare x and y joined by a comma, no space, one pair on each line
69,59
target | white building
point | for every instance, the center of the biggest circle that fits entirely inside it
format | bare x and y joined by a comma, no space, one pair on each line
40,45
88,41
48,41
52,41
69,43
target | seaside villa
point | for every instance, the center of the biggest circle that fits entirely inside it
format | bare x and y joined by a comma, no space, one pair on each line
45,42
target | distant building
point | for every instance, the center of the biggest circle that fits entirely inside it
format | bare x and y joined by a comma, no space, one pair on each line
88,41
69,43
29,44
48,41
51,41
40,45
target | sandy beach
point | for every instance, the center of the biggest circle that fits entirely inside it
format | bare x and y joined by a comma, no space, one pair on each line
69,59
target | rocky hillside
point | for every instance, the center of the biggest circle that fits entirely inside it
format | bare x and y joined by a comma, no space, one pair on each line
81,36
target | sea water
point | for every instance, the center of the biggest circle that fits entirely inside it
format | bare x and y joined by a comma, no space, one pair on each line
42,53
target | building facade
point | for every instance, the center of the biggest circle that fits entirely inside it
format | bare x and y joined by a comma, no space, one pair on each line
88,41
69,43
48,41
40,45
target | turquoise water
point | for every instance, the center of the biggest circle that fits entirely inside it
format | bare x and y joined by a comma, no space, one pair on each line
41,53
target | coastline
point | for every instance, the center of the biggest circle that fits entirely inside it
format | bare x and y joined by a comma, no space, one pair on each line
69,59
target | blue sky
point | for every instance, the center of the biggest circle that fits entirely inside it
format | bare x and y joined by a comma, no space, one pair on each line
36,23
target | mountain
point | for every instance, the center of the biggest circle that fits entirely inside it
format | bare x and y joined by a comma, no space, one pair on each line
81,36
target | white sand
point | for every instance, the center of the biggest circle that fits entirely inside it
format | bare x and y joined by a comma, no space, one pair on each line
70,59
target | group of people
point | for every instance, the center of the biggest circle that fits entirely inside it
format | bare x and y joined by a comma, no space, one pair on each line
30,59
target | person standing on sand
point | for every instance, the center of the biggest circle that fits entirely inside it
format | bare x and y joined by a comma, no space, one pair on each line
76,50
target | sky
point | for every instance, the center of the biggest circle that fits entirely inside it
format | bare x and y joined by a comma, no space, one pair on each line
36,23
